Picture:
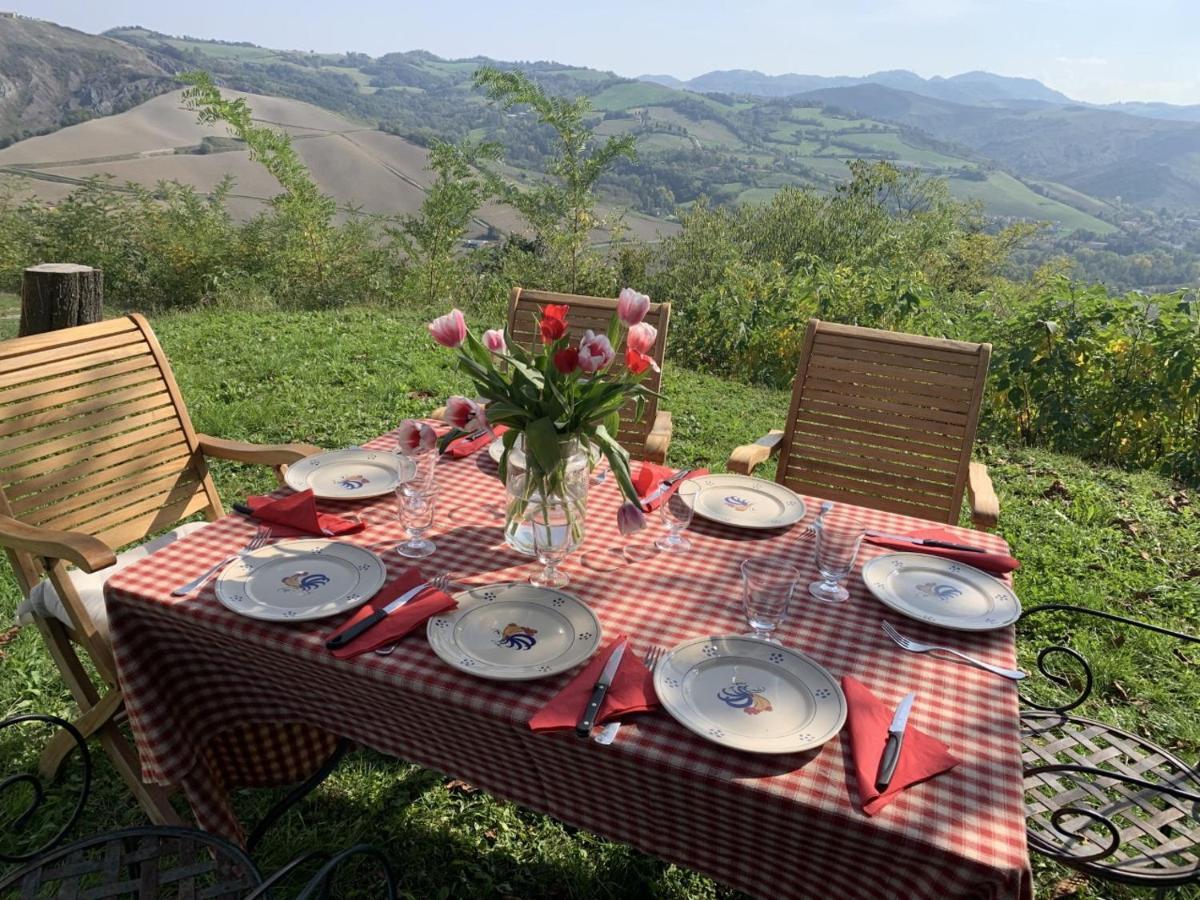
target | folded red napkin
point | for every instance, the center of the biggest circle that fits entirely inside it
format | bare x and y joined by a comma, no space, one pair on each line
461,447
650,475
921,756
996,563
632,691
428,603
300,511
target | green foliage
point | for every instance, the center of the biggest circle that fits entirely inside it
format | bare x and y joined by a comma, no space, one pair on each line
562,209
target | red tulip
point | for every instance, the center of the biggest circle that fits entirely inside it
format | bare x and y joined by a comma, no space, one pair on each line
637,363
461,412
630,519
493,339
566,360
449,330
554,322
642,337
415,437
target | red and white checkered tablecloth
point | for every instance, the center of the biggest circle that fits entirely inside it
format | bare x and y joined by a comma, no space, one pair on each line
201,682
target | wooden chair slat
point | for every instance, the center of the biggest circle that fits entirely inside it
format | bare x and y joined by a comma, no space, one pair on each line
66,484
90,428
134,528
92,518
32,428
80,351
74,364
34,393
884,420
43,474
27,347
85,504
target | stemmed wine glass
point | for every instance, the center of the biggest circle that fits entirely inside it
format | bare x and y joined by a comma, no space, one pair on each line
416,509
838,540
767,588
554,534
676,513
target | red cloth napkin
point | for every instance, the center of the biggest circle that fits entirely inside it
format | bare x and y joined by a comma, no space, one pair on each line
299,511
650,475
428,603
632,691
996,563
461,447
921,756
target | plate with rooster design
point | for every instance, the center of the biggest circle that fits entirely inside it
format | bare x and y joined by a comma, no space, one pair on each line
350,474
745,502
515,632
294,581
941,592
749,694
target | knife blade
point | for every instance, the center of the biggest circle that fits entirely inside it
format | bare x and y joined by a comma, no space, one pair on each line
665,485
466,436
891,751
584,727
341,640
925,542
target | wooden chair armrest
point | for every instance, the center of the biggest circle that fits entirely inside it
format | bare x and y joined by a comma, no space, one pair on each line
658,441
89,553
745,458
261,454
985,505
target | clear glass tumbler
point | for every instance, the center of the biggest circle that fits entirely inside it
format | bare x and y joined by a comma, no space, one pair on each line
837,543
676,512
416,515
767,588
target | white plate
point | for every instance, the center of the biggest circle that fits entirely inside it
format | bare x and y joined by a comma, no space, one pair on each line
350,474
940,591
749,694
515,632
745,502
299,580
517,456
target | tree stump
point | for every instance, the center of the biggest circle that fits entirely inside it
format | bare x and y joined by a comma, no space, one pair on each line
60,295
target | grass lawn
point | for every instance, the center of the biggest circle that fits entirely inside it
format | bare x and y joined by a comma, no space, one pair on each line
1097,537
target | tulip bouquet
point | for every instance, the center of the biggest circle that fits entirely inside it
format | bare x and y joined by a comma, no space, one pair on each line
561,393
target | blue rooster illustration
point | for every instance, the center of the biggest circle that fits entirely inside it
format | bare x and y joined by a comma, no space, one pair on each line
303,581
353,482
941,591
517,637
741,696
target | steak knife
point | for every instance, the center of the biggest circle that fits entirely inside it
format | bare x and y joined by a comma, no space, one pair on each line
341,640
665,485
891,751
584,727
925,542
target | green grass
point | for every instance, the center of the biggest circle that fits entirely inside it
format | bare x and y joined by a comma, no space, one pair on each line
1006,196
1114,540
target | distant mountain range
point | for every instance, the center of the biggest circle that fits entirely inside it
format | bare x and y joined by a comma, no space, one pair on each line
969,89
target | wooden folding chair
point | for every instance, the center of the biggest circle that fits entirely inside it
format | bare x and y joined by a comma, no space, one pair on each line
646,438
97,452
883,420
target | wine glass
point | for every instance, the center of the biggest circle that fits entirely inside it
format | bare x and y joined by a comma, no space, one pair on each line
838,540
676,512
416,515
424,468
553,531
767,588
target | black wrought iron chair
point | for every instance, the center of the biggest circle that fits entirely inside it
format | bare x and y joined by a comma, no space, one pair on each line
1099,799
143,863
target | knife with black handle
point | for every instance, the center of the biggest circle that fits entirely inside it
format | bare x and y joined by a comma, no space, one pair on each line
583,727
341,640
895,742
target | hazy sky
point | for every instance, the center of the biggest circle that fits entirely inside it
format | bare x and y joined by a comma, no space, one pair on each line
1096,50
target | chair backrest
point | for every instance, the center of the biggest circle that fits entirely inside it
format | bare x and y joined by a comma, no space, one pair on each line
883,419
524,310
94,437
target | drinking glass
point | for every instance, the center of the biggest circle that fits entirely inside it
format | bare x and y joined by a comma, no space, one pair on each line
425,461
767,588
838,541
676,513
416,515
553,533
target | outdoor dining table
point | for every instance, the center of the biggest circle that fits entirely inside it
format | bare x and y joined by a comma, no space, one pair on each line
218,701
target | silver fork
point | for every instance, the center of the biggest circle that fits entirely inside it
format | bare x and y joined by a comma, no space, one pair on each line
608,733
442,583
812,527
918,647
259,540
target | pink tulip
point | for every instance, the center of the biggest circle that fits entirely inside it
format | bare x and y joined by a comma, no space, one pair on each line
416,437
642,337
595,352
449,330
461,412
632,307
493,339
630,519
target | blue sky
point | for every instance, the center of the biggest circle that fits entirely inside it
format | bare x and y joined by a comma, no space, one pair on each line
1096,50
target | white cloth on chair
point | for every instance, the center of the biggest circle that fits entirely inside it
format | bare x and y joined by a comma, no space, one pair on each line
44,601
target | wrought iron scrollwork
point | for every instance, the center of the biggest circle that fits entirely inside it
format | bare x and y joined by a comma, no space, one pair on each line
33,784
1057,650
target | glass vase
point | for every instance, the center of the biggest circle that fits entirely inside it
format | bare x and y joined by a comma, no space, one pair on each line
556,499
